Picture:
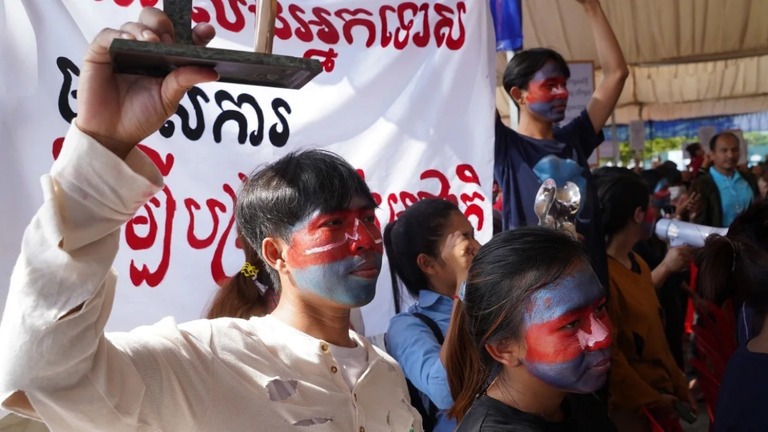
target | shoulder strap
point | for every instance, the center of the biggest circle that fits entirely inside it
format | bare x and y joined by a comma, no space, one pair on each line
432,326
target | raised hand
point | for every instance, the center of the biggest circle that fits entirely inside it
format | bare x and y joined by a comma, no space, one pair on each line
458,252
121,110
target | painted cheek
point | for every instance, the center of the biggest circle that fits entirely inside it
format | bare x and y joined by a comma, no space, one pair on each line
546,345
308,249
538,94
594,336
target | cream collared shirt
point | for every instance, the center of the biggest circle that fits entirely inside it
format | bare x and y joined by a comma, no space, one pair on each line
218,375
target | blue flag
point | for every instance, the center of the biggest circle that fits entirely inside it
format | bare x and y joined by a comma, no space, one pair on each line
508,23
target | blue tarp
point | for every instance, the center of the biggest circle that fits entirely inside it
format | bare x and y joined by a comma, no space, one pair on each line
689,128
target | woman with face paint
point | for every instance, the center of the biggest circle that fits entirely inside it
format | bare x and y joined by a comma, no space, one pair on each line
531,337
429,248
539,149
645,382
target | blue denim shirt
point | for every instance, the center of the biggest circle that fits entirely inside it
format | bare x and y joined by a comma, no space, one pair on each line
414,346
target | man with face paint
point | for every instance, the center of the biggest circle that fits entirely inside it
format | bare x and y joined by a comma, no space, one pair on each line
644,378
308,215
536,80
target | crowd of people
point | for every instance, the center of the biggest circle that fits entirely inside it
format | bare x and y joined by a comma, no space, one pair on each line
536,330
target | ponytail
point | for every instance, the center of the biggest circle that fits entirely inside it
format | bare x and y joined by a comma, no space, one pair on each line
391,258
467,375
717,264
734,267
248,293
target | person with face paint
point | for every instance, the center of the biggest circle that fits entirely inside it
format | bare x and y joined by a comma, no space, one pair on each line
530,340
429,248
645,382
536,80
308,215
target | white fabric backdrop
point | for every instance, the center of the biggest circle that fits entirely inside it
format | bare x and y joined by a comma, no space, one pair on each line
408,99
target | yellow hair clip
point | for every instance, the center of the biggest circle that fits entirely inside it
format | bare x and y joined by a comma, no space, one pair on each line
249,270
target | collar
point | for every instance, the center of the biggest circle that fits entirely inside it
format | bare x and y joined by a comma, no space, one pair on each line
429,298
722,177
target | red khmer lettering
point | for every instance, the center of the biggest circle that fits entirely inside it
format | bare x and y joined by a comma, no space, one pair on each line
444,27
354,21
137,242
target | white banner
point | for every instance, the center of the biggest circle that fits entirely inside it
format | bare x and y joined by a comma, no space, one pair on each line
581,86
407,96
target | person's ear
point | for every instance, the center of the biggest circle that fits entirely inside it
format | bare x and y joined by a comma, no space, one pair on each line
516,93
639,215
427,264
509,353
273,250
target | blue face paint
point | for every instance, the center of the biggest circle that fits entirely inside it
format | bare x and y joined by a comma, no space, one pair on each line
334,282
337,256
567,333
547,94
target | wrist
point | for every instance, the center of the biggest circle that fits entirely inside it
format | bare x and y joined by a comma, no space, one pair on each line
119,148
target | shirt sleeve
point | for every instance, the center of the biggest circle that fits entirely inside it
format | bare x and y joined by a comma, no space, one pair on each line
413,345
584,138
53,344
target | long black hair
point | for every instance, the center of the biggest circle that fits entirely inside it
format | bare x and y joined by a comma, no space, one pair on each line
619,193
736,266
416,231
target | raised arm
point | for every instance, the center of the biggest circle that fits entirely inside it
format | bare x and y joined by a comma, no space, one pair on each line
62,285
615,71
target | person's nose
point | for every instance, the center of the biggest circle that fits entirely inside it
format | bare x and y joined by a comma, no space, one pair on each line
363,238
560,92
596,337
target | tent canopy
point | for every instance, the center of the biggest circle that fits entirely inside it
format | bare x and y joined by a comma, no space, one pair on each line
688,58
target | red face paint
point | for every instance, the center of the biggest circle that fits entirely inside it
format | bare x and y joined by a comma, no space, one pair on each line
547,93
570,335
548,90
337,255
567,333
330,237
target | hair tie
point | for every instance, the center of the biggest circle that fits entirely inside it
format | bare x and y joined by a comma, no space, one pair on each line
249,270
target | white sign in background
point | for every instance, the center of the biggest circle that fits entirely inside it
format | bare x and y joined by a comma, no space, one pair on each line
407,96
581,86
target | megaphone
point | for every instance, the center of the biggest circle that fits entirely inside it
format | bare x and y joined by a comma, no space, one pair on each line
685,233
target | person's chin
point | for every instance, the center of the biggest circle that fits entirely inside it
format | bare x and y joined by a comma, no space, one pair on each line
364,291
557,117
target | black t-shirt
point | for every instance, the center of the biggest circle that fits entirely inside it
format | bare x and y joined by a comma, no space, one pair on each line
743,393
521,164
582,413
